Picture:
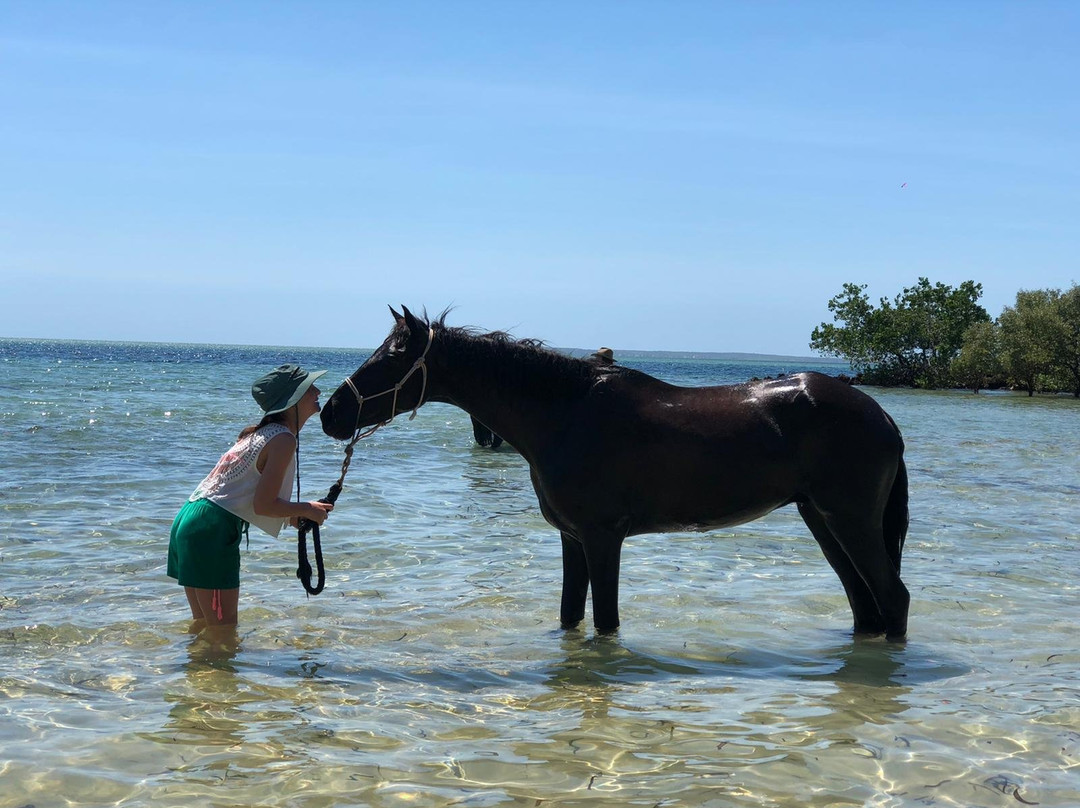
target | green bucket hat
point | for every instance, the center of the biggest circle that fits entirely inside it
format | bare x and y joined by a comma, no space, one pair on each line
283,387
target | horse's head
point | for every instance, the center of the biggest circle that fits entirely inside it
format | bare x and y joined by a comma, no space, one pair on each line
391,381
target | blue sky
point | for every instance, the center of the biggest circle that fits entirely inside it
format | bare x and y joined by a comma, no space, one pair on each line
645,175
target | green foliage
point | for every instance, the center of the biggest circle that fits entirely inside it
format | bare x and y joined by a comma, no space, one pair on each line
979,364
854,340
1066,342
1040,340
937,336
910,341
1027,337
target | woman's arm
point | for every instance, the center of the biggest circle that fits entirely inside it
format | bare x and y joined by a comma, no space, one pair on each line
274,461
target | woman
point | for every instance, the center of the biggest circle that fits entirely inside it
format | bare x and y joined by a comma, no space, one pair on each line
251,484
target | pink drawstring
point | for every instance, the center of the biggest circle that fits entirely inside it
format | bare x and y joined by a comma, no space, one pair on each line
215,604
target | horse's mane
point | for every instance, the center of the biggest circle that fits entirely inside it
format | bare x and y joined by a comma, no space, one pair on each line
526,362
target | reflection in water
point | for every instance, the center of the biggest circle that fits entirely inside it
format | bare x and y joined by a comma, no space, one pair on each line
603,658
223,724
805,719
868,673
201,711
746,727
214,647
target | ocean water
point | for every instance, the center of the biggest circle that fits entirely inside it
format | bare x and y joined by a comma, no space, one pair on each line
432,670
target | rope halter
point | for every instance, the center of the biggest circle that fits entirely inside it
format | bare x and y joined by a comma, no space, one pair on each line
419,365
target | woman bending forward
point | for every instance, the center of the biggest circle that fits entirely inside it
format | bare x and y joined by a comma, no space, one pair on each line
251,484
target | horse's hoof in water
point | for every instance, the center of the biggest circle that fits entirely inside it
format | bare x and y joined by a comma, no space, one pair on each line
608,630
570,625
859,634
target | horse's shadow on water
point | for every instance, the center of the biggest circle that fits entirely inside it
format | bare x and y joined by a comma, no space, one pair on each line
849,681
856,680
605,659
870,678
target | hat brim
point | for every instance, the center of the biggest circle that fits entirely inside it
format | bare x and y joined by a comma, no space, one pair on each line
298,393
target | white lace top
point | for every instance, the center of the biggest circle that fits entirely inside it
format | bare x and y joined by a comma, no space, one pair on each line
232,483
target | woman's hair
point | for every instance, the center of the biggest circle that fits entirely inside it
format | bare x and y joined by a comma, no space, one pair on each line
274,418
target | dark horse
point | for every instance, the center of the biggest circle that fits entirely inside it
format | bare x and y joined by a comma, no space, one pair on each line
614,452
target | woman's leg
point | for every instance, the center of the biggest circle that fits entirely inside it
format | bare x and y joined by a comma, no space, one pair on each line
217,607
198,622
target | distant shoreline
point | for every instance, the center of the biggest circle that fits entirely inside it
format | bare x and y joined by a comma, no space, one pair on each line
726,356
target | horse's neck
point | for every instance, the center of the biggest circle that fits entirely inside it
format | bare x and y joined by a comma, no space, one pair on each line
496,396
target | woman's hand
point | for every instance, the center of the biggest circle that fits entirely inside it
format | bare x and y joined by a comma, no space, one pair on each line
318,511
313,511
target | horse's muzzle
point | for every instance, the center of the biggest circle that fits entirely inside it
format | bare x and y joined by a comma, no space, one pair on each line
330,424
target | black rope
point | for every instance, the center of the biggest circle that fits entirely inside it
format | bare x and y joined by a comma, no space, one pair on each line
305,526
303,566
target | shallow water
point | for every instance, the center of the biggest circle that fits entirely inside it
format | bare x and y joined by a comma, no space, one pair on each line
431,671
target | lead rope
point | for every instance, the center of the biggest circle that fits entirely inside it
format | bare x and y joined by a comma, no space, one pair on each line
303,568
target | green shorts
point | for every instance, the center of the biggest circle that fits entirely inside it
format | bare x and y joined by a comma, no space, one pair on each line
204,546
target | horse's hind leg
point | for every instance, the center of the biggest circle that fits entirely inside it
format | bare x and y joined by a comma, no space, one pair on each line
862,539
575,585
868,619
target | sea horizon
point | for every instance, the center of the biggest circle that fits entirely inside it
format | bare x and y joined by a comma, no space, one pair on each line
628,353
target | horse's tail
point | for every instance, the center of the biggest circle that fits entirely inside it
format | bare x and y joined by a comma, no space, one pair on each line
896,508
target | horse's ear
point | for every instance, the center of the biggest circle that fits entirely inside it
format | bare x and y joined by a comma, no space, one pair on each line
411,321
397,317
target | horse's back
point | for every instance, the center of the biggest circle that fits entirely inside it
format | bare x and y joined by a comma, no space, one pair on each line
784,406
696,457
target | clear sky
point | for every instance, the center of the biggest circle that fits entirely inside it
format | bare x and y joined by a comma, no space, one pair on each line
645,175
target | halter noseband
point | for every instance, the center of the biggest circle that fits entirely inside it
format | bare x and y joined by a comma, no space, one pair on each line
420,364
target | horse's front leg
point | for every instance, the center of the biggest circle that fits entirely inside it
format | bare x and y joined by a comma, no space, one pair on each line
603,554
575,581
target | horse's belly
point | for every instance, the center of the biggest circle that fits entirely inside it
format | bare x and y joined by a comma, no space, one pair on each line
700,522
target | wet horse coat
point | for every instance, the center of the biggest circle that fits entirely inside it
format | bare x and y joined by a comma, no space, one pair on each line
614,452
